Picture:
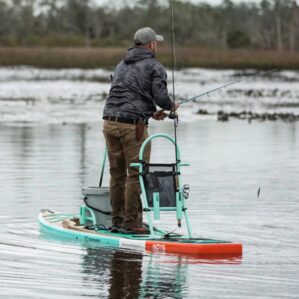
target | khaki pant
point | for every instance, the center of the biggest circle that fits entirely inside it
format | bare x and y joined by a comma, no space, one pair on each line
123,149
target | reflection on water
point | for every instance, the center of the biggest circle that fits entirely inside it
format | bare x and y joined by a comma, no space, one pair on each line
120,271
132,275
45,166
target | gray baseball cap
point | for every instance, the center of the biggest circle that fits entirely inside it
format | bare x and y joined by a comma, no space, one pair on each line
146,35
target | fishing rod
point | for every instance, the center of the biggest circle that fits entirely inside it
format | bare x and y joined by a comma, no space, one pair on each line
175,120
174,115
223,86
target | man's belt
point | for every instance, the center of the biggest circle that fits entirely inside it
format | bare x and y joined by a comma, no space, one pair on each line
124,120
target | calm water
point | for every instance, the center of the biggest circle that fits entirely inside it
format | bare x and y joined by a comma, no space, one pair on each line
45,165
51,145
74,95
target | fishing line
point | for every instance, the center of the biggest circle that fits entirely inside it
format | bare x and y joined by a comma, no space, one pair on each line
173,56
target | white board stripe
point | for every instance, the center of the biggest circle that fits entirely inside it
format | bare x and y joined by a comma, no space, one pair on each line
134,244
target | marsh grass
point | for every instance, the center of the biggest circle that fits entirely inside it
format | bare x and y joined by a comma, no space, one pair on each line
108,57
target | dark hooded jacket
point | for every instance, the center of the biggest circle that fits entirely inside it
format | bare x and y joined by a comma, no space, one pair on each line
138,85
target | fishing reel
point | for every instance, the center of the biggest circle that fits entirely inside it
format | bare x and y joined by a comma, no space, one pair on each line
173,115
186,191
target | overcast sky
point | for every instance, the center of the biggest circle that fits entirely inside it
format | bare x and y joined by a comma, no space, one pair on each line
120,2
219,1
212,2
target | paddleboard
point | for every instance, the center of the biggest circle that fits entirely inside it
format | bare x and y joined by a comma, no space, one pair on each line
68,227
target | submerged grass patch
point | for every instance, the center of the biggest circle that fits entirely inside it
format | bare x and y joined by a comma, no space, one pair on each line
108,57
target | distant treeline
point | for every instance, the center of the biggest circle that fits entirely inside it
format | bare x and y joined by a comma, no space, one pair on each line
269,25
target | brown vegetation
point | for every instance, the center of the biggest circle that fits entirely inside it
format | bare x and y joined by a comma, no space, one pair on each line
61,57
249,116
185,56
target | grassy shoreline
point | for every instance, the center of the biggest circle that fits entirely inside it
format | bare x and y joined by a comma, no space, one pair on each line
108,57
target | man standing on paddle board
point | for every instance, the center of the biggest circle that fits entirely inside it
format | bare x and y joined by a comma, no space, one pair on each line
138,85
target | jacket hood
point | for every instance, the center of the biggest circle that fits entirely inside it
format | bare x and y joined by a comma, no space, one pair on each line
135,54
